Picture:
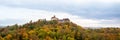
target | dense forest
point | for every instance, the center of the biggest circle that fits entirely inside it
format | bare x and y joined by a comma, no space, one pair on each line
54,30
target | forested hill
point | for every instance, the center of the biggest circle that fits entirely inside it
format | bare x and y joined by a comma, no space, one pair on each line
54,30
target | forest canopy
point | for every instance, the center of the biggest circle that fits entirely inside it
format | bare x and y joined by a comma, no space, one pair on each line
54,30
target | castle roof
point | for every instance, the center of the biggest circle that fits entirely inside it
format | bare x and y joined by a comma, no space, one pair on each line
54,16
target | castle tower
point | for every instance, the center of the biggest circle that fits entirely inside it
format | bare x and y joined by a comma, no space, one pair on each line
54,18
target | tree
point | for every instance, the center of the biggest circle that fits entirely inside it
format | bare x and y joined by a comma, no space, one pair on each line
8,37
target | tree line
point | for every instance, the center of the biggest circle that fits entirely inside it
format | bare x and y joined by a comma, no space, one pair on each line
54,30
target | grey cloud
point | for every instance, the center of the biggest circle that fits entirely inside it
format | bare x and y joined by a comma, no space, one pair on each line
91,10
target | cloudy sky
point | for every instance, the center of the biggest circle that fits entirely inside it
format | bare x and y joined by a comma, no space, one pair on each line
87,13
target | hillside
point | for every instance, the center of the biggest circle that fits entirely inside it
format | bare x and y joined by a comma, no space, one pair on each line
55,30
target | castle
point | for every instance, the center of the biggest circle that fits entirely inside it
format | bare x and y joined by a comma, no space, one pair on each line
60,20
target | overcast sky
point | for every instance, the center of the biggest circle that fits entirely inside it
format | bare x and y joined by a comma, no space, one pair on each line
87,13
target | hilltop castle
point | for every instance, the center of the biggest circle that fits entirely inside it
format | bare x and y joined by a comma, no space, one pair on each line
60,20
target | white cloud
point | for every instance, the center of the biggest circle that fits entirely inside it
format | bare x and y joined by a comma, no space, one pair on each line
76,2
26,15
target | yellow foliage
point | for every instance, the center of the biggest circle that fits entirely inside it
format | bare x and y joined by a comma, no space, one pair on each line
31,32
1,38
72,39
30,39
25,35
46,29
48,38
86,38
9,36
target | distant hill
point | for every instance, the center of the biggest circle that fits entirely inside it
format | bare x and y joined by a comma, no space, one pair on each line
56,30
41,30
